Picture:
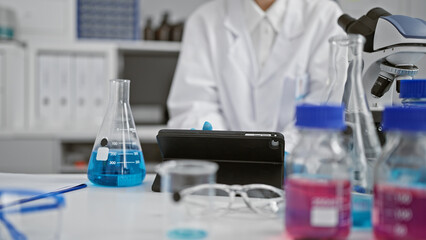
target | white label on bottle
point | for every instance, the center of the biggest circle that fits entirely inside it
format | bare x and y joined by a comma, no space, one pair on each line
102,154
324,216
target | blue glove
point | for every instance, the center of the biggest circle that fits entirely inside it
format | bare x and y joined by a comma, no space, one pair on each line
206,126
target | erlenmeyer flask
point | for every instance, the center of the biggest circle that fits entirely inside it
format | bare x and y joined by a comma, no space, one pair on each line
346,63
117,158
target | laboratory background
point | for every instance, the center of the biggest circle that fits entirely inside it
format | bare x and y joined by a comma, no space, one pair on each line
57,60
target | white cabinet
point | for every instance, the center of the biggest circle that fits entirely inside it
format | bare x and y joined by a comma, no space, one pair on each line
70,89
68,84
29,154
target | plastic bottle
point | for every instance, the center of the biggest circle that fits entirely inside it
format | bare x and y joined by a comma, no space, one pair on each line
318,187
413,92
117,158
400,176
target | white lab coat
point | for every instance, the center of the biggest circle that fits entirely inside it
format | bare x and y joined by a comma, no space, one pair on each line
218,78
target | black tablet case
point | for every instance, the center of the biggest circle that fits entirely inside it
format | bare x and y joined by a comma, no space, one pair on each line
243,157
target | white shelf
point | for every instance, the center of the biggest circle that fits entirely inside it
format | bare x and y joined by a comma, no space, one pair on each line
146,133
134,45
73,169
154,46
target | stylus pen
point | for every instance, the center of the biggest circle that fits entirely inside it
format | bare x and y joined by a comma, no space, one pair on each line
44,195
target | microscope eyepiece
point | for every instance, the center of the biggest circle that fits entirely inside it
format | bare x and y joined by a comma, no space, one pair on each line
377,12
365,25
345,21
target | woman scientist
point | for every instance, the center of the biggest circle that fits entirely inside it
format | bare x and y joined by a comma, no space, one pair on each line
244,64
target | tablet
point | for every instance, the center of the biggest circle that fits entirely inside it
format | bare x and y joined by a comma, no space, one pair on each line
243,157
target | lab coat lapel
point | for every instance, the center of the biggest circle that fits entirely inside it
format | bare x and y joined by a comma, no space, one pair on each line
292,28
274,73
241,52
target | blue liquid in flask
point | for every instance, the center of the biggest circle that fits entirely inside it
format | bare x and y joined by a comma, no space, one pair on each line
187,234
121,169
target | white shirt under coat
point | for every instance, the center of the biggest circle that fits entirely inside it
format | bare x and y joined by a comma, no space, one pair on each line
219,77
263,26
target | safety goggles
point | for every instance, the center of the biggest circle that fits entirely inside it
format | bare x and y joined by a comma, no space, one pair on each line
220,199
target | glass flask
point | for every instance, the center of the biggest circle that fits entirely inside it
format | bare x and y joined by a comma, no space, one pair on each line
117,158
400,176
364,145
318,187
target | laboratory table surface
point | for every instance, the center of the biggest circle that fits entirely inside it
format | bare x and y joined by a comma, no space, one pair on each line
99,212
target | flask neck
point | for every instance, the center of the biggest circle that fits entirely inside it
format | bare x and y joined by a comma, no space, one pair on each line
119,91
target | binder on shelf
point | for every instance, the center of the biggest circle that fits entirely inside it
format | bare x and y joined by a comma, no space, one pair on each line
83,89
54,116
44,108
12,87
63,80
99,87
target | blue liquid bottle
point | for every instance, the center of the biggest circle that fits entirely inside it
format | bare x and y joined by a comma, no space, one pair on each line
117,158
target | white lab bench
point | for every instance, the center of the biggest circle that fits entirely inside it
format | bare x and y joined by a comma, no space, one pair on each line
106,213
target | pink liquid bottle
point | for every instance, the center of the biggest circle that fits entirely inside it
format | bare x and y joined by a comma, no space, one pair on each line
318,188
400,176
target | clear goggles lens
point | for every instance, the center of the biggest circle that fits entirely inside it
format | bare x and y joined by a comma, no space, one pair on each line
218,199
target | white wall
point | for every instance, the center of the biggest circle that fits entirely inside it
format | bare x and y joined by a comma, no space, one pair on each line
43,20
55,20
179,9
412,8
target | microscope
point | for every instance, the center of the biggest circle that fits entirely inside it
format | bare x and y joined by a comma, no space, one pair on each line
394,44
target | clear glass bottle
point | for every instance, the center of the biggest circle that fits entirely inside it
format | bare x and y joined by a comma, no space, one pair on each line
117,158
318,187
364,147
413,92
400,176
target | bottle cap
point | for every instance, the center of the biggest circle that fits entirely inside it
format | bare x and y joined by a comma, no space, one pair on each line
404,118
415,88
320,116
